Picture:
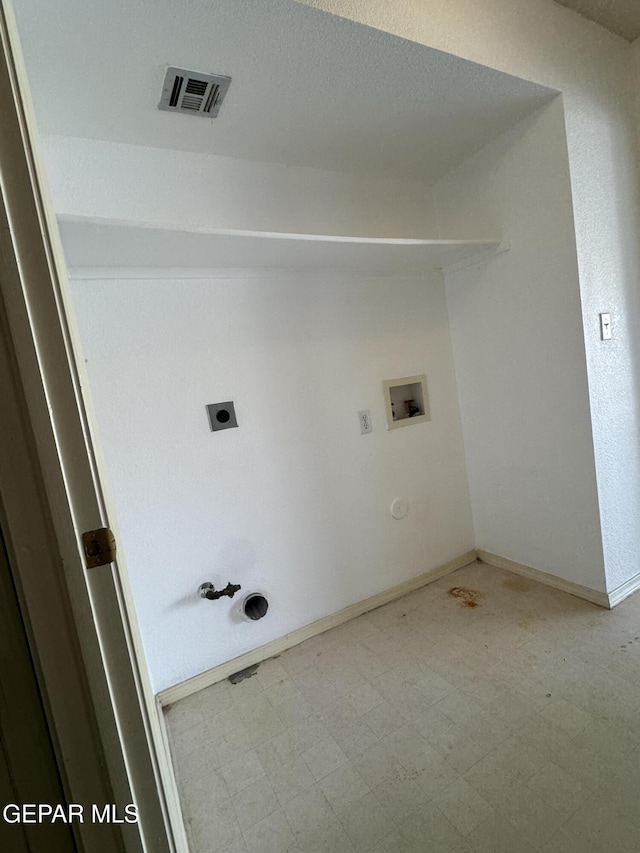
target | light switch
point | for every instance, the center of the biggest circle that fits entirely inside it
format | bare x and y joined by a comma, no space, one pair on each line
605,327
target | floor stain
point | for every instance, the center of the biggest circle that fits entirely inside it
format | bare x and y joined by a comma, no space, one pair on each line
249,672
466,597
517,583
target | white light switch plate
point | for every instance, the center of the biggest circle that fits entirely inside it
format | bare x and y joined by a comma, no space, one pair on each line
605,327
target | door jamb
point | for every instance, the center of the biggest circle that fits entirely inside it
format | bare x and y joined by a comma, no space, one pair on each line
101,710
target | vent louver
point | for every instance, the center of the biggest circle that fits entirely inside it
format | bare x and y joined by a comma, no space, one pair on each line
192,92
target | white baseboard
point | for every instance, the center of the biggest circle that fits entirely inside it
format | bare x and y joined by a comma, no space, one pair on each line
624,590
593,595
281,644
275,647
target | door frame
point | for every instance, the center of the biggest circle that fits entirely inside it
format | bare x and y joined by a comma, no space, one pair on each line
106,726
28,765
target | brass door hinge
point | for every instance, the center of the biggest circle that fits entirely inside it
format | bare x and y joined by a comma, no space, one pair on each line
99,547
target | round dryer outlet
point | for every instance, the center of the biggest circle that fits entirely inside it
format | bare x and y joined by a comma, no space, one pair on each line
399,508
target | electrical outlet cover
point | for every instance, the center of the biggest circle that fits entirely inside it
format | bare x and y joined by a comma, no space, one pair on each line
365,421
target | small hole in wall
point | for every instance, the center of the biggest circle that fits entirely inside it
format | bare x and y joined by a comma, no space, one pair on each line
223,416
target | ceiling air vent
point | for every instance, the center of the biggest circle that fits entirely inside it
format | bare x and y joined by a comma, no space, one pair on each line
193,93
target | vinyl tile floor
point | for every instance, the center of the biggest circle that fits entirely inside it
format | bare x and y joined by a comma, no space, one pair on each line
429,724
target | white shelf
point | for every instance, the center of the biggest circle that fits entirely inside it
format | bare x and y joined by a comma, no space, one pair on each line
101,245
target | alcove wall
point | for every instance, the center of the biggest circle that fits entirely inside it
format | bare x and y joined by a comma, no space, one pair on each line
295,502
516,322
305,348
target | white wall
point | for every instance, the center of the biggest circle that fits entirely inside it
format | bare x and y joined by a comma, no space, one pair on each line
546,43
534,39
157,185
531,38
519,355
295,501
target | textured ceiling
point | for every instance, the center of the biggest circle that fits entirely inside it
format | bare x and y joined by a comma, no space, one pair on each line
619,16
308,88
